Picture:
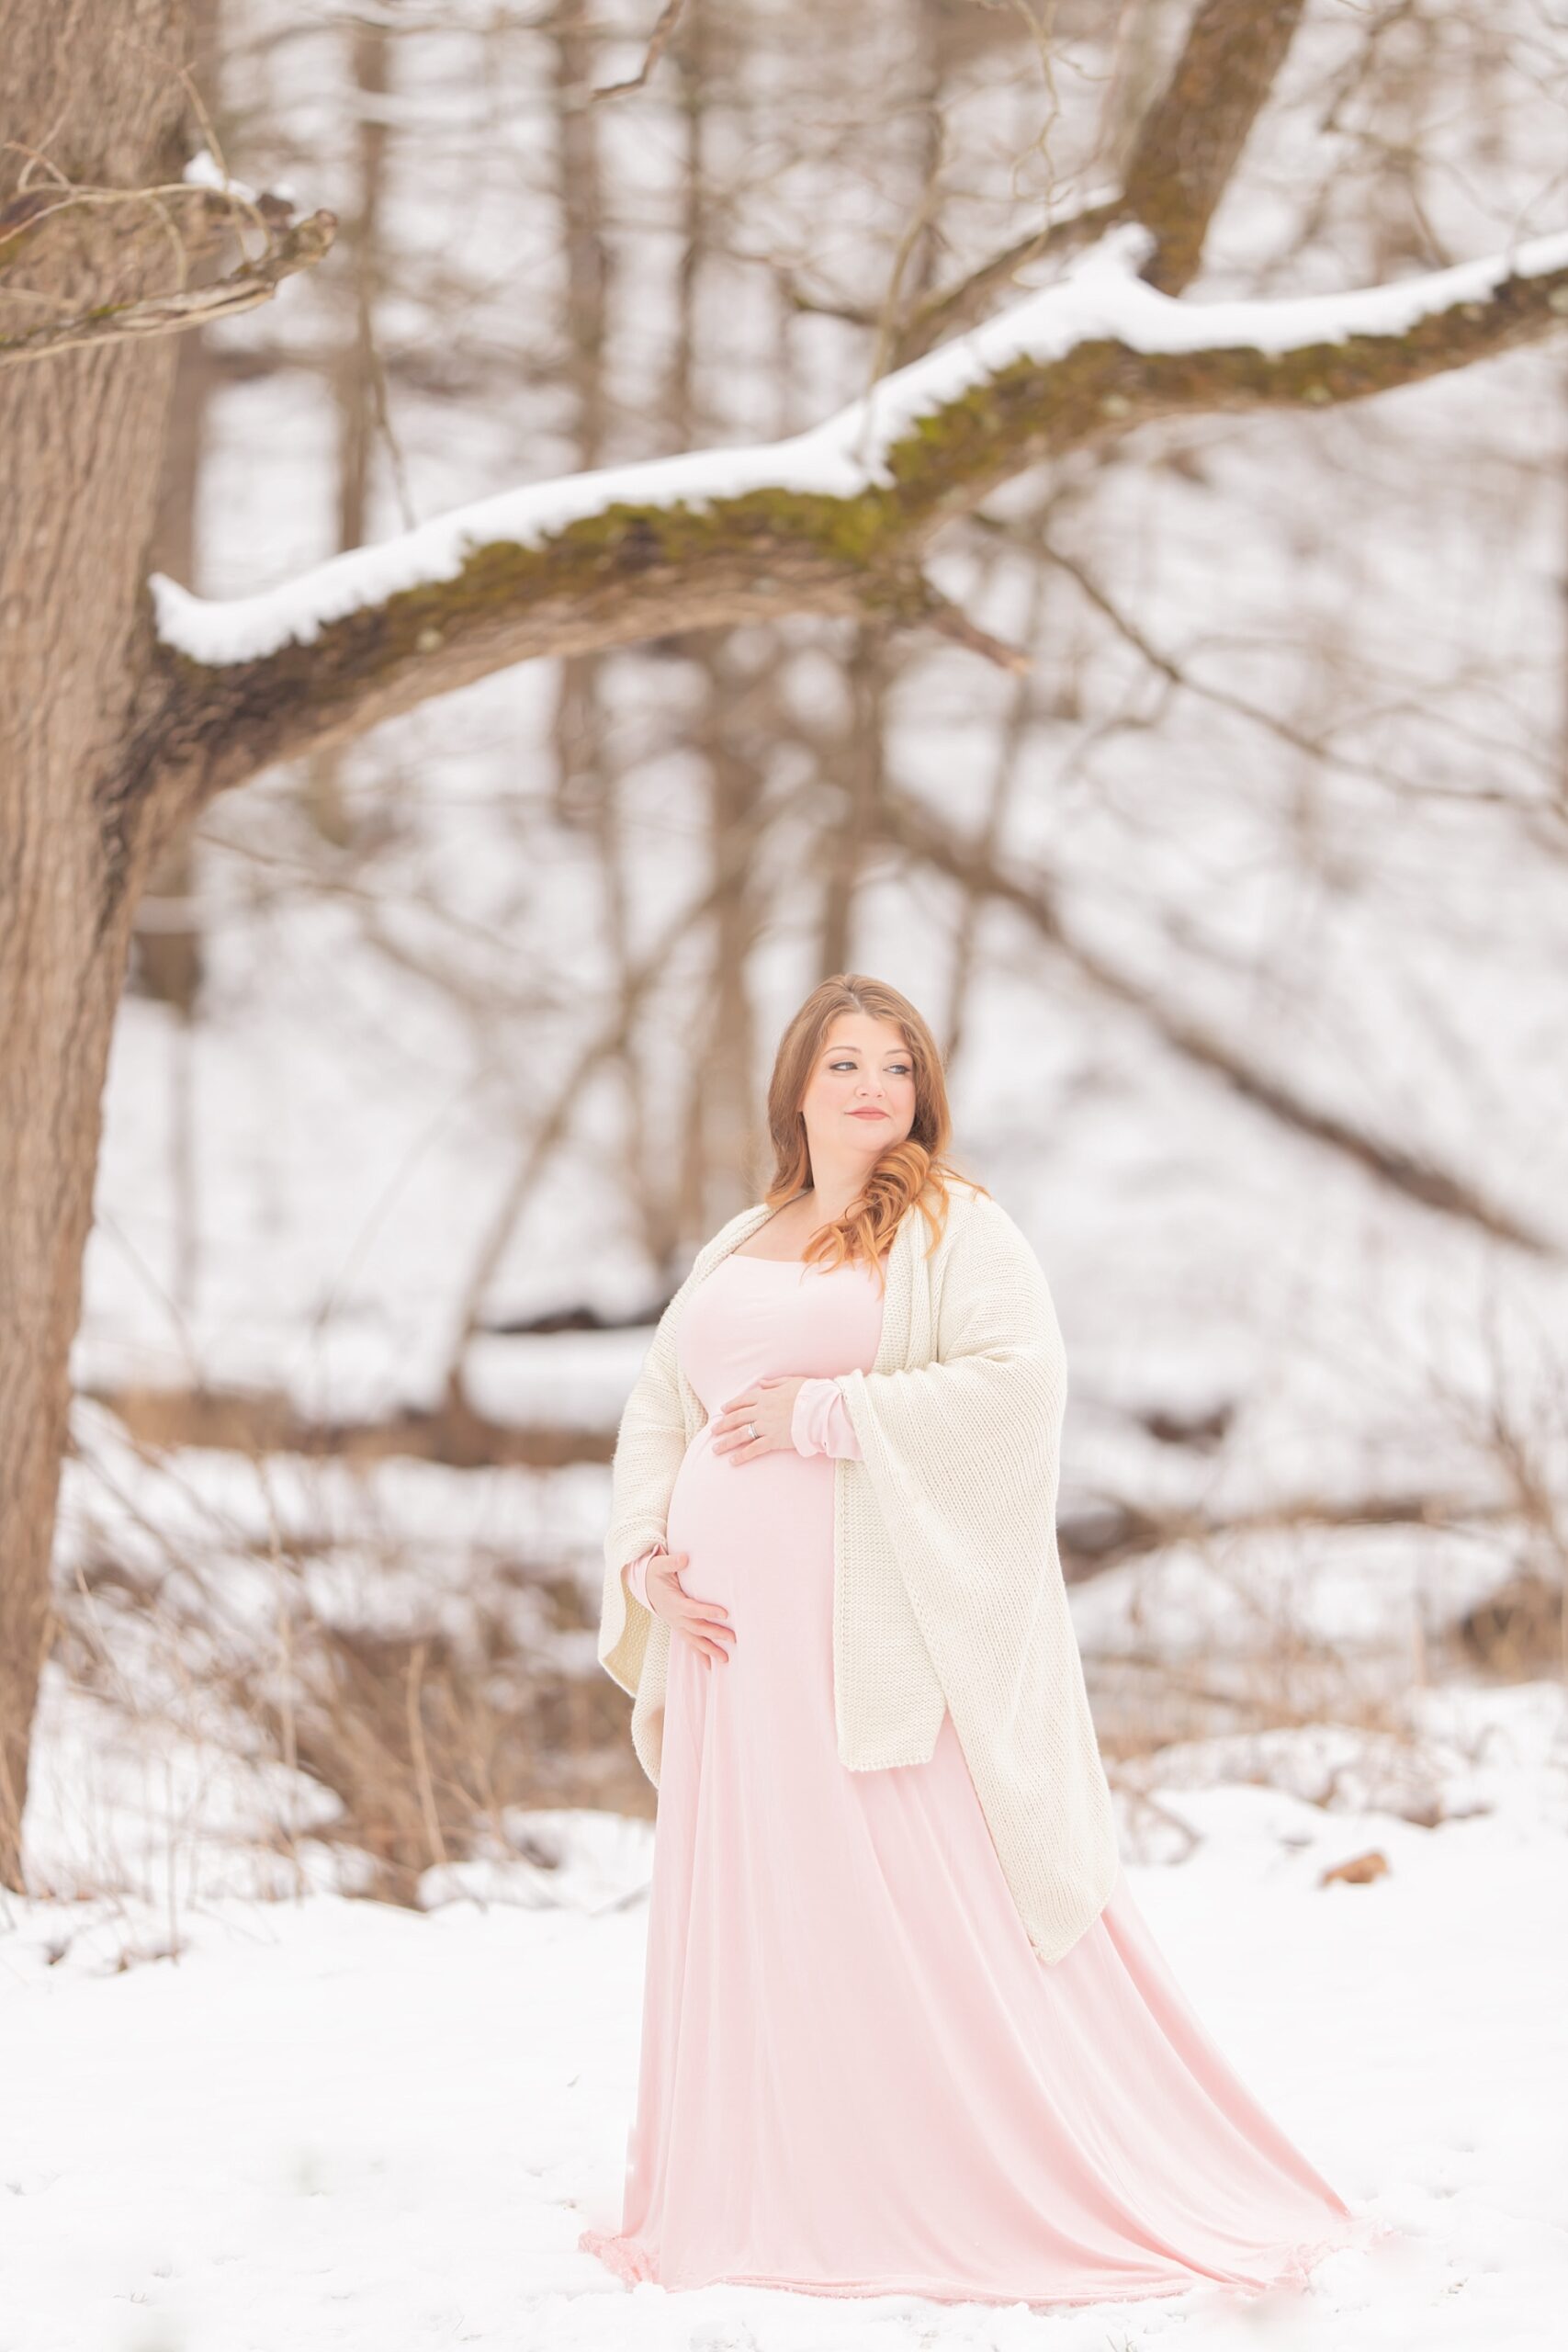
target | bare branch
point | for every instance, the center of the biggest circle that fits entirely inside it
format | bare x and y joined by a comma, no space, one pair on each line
658,42
950,621
919,829
957,308
612,1038
1312,745
242,288
1183,160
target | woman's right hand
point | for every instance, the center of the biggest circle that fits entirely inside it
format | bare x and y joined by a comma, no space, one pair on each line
703,1623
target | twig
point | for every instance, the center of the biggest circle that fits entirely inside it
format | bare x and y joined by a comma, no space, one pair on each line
668,18
243,288
420,1759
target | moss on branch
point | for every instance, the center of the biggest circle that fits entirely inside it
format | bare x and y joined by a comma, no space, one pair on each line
631,571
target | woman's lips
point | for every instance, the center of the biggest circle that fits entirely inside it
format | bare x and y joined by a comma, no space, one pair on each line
868,1115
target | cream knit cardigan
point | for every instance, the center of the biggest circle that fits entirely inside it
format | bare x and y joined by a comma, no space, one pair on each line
947,1587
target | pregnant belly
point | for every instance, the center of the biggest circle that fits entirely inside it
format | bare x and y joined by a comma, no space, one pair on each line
760,1537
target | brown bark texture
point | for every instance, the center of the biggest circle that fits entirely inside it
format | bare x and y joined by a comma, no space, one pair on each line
96,87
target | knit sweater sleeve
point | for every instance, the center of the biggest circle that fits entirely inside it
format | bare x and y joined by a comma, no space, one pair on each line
649,1447
985,1415
963,1457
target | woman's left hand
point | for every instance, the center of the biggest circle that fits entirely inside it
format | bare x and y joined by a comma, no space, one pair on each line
768,1407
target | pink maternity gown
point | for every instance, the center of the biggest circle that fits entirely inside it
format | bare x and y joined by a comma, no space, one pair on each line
857,2077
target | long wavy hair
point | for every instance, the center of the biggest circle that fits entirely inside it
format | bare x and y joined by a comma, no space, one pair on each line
915,1172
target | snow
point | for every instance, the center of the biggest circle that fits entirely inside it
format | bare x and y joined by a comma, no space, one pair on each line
204,170
232,2124
1099,296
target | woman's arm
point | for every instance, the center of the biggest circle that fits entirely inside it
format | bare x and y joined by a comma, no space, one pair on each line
820,1422
635,1574
988,1409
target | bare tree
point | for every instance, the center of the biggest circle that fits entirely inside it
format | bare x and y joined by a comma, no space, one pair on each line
98,102
117,727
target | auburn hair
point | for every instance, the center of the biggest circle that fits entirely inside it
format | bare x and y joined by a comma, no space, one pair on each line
915,1172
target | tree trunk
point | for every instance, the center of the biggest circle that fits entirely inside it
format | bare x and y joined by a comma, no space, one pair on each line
358,384
167,946
96,89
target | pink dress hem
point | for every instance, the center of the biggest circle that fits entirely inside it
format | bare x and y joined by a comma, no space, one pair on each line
1288,2265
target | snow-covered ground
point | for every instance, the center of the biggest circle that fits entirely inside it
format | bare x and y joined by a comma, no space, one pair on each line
236,2125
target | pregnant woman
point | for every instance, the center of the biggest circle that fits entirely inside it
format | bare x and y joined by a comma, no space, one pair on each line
904,2028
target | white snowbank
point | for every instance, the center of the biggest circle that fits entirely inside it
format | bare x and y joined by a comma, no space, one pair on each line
1099,297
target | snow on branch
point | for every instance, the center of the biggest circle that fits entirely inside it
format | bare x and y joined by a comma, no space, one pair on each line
833,519
1099,301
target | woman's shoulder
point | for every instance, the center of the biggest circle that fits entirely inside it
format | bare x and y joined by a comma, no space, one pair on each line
739,1222
734,1229
981,1227
971,1206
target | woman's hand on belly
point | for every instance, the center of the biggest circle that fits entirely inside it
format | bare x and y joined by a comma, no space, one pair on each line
767,1407
703,1623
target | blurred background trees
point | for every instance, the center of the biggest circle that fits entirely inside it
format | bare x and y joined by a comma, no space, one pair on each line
1239,913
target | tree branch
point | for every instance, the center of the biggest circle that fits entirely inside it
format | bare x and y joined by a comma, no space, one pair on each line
1191,140
919,829
658,40
193,306
1183,159
831,521
1312,746
187,216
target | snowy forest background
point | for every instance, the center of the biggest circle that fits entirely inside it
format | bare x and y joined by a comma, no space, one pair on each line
1240,916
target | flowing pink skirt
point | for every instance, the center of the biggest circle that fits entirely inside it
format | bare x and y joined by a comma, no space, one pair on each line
857,2077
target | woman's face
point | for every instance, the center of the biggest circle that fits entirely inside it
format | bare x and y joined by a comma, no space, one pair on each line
861,1096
